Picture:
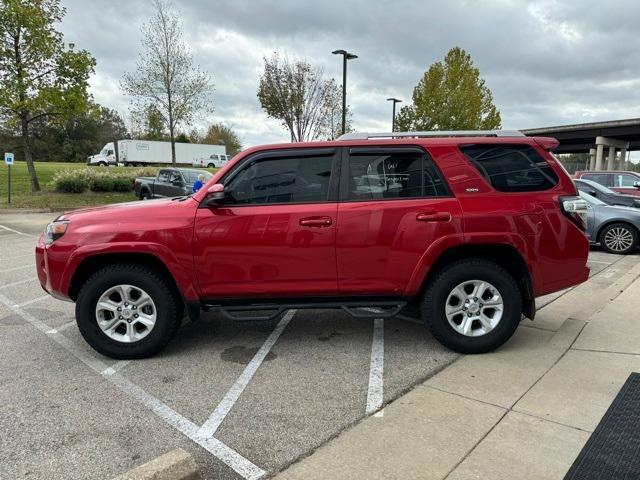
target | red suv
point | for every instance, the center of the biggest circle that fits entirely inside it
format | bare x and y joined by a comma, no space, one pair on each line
465,227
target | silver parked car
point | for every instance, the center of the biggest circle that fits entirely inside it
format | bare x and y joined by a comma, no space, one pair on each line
614,227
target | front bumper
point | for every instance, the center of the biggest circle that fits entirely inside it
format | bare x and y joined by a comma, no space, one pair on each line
49,281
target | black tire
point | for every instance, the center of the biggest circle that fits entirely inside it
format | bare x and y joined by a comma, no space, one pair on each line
211,165
102,164
628,238
435,299
168,310
145,195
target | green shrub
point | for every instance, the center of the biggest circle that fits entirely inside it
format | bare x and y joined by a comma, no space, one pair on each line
102,184
70,184
122,185
100,179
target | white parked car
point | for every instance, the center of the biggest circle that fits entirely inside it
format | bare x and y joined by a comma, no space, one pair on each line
213,161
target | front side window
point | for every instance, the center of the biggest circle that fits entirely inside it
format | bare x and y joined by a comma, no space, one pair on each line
511,168
281,180
624,180
393,175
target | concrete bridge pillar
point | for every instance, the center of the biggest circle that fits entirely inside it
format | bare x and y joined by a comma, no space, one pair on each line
611,161
623,159
592,159
612,144
599,154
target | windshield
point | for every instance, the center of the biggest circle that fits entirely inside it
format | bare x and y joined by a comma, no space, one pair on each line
191,177
590,199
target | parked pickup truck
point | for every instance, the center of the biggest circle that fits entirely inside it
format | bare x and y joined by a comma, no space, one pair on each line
170,182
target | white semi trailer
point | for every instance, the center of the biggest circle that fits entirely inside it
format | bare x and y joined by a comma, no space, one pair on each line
147,152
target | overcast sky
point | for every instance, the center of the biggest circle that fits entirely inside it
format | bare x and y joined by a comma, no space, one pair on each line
547,62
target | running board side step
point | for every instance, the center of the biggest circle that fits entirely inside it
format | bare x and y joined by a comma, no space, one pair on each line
357,309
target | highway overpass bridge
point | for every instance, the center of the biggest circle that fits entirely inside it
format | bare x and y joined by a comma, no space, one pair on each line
617,136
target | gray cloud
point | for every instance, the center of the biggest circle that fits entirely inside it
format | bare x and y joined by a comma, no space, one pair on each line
547,62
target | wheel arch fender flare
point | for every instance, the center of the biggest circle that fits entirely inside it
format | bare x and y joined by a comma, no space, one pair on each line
85,260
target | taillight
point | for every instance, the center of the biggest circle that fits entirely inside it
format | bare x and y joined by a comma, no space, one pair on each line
575,209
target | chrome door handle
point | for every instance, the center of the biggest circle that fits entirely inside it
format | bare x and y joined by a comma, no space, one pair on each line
316,222
433,217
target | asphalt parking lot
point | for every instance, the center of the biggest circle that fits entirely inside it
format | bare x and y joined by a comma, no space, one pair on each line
245,398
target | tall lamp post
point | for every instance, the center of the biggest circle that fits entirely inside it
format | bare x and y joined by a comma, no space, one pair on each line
393,115
345,56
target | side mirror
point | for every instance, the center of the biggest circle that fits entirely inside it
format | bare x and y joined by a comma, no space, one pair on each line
636,184
593,193
215,194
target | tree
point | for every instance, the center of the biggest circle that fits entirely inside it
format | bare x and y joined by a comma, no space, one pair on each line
40,77
149,124
166,76
450,96
221,134
331,125
296,94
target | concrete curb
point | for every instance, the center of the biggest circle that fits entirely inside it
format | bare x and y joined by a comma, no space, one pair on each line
174,465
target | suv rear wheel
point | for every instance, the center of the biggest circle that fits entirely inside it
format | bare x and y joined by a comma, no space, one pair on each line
619,238
472,306
127,311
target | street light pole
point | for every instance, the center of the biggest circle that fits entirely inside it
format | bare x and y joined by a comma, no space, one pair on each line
393,115
345,56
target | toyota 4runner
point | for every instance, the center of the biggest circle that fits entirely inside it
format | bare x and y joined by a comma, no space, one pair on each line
464,228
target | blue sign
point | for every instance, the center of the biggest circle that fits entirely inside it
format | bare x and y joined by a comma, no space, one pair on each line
8,158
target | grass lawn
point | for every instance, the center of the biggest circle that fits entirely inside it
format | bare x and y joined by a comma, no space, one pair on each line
21,196
49,199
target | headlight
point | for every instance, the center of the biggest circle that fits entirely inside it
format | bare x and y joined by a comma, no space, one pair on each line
54,231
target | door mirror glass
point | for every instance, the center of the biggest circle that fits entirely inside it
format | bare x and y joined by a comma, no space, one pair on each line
593,193
636,184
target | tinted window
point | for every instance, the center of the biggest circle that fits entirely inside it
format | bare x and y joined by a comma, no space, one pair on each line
191,177
624,180
389,175
281,180
601,178
512,168
175,177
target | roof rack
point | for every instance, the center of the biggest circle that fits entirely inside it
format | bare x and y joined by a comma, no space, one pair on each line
433,134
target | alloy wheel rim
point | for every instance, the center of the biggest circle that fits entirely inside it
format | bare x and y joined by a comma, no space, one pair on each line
126,313
618,239
474,308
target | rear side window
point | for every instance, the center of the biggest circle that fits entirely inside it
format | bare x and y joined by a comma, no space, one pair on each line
511,168
601,178
163,176
383,175
281,180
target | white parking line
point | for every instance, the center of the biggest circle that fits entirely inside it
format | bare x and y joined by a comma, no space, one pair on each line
233,459
62,327
15,284
375,393
115,367
33,300
16,231
209,427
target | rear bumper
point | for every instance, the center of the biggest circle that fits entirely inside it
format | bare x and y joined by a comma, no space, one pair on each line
550,287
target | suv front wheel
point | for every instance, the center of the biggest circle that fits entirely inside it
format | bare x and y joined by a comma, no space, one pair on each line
127,311
472,306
